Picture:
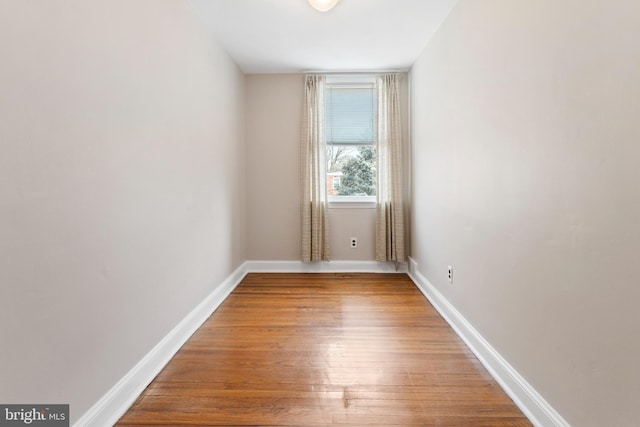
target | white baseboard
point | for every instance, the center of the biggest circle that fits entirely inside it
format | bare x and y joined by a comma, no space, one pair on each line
530,402
324,267
108,410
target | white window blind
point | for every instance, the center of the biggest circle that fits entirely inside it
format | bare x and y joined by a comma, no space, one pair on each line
350,113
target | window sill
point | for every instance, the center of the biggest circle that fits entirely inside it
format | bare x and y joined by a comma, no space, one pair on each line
352,202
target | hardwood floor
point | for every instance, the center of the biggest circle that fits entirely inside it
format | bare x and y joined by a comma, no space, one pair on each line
325,349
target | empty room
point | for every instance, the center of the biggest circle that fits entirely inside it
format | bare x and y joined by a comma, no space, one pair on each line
319,212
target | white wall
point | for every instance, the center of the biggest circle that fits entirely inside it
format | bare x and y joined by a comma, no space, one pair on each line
122,188
525,147
274,110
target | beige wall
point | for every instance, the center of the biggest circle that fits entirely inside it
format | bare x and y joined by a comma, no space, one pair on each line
274,106
121,188
345,223
525,147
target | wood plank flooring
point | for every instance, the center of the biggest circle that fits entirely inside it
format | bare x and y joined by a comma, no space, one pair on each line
320,350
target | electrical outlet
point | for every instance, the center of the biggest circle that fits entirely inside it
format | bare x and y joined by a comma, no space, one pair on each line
450,273
354,242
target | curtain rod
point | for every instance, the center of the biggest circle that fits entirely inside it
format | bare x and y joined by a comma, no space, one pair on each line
354,72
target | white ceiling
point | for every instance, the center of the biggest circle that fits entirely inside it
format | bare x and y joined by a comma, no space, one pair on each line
284,36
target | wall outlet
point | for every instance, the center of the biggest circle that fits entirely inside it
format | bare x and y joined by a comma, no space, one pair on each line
450,273
354,242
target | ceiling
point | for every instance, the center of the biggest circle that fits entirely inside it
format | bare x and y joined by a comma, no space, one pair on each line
288,36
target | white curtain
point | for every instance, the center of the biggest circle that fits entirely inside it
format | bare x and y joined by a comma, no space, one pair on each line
389,201
315,236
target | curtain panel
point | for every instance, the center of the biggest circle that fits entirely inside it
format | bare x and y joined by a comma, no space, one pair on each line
315,230
390,242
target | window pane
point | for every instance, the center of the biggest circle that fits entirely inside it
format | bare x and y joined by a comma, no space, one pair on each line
350,115
351,170
351,134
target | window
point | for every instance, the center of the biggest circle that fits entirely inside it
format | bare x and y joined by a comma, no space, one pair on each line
350,103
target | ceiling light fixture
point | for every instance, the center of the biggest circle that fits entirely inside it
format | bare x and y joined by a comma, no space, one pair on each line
323,5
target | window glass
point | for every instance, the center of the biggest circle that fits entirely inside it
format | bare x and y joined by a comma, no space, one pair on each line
350,133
